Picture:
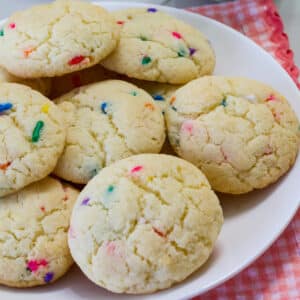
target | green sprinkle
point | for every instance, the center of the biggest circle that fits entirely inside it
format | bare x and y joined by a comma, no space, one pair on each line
143,38
181,52
133,93
146,60
37,131
224,102
110,189
1,32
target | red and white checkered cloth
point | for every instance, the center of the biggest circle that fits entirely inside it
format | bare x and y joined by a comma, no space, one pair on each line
276,274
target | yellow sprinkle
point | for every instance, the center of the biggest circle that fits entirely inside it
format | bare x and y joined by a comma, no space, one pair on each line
150,178
45,108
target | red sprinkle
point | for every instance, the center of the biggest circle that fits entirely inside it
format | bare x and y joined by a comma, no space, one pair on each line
12,25
271,98
5,166
76,60
27,52
120,22
42,208
158,232
33,265
177,35
136,169
76,80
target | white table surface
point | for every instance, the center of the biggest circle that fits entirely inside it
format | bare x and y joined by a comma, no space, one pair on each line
288,9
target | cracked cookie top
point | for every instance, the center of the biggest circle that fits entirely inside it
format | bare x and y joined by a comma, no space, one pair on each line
32,136
107,121
155,46
57,38
144,223
33,233
241,133
42,85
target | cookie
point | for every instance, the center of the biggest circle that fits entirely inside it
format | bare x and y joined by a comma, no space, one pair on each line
57,38
34,224
144,223
241,133
64,84
157,47
32,136
42,85
107,121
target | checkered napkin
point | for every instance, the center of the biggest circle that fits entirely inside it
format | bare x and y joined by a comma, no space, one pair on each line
276,274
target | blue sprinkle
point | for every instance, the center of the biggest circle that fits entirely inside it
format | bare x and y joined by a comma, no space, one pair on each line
174,108
5,106
224,102
104,107
110,189
85,201
133,93
158,97
48,277
152,10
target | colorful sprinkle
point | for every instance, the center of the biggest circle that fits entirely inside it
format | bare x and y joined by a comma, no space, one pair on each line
42,208
5,106
224,102
34,265
104,107
110,189
150,106
192,51
158,97
37,131
48,277
4,166
1,32
143,38
174,108
270,98
146,60
152,10
94,172
27,52
120,22
136,169
76,80
110,248
133,93
181,52
177,35
12,25
158,232
172,100
188,126
45,108
85,201
71,233
76,60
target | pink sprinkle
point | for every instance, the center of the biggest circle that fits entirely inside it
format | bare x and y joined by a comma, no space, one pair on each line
12,25
76,60
72,233
136,169
110,248
270,98
158,232
34,265
188,126
177,35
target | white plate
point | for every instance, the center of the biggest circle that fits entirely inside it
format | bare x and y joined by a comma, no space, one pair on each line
252,221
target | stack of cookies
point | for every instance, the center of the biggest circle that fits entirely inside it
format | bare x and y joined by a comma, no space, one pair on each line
119,84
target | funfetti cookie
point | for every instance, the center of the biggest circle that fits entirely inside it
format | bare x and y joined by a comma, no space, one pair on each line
42,85
57,38
32,136
157,47
34,224
144,223
107,121
241,133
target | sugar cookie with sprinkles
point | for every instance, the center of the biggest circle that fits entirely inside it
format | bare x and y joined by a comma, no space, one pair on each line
57,38
32,135
157,47
34,224
42,85
241,133
107,121
144,223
